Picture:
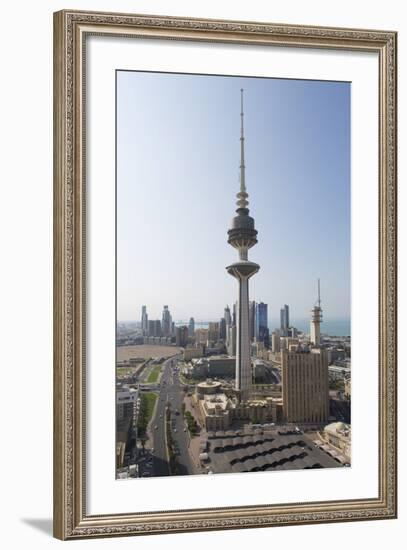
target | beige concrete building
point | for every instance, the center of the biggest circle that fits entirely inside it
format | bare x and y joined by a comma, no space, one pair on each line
193,353
286,342
275,341
215,411
305,386
338,435
201,336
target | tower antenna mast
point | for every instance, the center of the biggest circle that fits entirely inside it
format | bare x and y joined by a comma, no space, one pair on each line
319,294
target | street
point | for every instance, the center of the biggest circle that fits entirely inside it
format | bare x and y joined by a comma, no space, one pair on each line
170,392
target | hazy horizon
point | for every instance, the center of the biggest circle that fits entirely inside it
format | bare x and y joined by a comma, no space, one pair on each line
177,179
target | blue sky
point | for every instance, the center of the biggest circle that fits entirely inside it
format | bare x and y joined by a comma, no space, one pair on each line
177,179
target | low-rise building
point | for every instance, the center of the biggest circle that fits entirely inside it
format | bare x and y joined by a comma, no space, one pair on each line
193,352
338,435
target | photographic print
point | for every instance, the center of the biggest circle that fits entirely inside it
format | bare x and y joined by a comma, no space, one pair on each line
233,234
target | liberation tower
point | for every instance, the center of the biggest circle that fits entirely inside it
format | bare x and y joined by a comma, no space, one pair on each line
242,236
316,321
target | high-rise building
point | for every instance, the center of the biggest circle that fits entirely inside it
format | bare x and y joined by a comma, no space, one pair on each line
231,345
252,320
154,328
275,341
222,329
316,321
181,336
228,322
234,318
227,316
166,323
305,385
284,320
191,327
201,336
213,331
242,235
144,320
262,331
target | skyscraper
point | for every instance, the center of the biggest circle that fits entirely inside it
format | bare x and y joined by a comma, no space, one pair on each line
144,320
242,236
228,322
191,327
181,336
166,323
316,321
262,331
154,328
213,331
252,320
284,320
227,316
222,329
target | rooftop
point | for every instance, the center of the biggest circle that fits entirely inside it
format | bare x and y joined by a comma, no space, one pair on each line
265,451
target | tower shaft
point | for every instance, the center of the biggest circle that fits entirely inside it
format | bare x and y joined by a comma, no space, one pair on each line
242,271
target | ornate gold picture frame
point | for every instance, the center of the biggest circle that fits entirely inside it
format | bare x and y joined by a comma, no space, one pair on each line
71,30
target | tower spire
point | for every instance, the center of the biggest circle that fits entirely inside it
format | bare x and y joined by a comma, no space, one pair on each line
319,295
242,196
242,165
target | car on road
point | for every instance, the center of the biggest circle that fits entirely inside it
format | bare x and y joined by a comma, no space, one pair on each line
156,427
175,430
185,429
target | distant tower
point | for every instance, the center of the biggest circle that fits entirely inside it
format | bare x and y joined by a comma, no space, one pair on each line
227,316
242,236
222,329
284,320
191,327
144,320
262,331
166,322
252,320
316,321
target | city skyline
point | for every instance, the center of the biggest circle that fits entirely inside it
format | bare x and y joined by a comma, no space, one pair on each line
191,286
333,326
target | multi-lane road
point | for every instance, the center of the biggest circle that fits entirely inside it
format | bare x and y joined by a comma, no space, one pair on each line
170,392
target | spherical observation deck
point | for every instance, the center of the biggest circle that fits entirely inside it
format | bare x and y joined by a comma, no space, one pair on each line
242,234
